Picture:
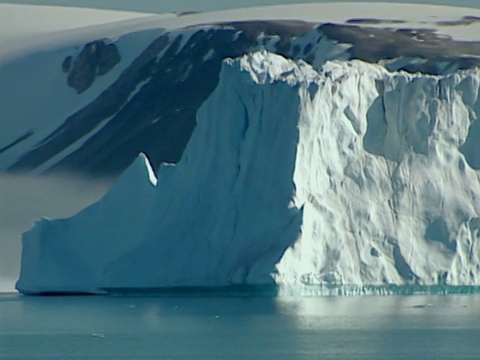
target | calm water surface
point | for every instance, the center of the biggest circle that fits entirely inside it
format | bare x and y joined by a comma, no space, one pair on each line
369,327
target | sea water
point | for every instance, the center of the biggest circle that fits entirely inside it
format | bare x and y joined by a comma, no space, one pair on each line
237,327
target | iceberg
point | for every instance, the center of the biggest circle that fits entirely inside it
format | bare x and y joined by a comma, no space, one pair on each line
349,176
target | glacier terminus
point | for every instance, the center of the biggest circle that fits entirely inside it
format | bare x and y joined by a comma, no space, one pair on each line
349,176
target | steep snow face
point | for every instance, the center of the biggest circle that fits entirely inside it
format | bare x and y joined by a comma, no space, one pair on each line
349,176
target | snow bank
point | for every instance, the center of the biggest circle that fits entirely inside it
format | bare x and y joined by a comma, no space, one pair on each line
350,176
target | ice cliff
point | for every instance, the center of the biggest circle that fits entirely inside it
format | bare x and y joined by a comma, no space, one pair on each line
349,176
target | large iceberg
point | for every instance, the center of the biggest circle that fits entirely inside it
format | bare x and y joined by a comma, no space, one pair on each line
351,176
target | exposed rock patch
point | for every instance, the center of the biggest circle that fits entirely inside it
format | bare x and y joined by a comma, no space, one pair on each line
364,21
17,141
96,58
152,105
374,44
466,20
67,64
177,76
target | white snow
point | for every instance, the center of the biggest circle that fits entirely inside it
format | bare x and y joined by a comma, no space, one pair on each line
350,176
36,39
20,20
414,15
34,94
27,28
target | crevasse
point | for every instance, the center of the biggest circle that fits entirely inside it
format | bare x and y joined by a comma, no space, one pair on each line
350,177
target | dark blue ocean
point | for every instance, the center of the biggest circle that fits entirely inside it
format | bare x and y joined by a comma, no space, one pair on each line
236,327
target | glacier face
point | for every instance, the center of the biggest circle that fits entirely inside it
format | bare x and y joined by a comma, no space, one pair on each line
388,195
346,176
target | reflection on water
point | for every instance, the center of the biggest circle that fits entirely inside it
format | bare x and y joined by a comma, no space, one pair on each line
398,327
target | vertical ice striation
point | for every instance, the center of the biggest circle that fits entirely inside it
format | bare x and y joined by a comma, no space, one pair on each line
386,181
222,216
350,176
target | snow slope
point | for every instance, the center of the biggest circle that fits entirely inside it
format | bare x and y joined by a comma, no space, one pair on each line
34,97
48,126
350,176
28,28
23,20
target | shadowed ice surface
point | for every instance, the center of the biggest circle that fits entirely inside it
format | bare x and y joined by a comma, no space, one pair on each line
24,199
216,327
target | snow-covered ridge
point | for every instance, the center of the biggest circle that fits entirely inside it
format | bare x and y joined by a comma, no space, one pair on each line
351,176
118,104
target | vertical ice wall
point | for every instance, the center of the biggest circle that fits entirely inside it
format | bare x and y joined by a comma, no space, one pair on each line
347,176
386,175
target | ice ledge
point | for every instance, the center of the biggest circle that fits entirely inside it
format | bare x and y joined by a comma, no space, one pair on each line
264,67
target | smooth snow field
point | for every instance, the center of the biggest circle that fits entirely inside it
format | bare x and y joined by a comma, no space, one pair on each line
371,327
